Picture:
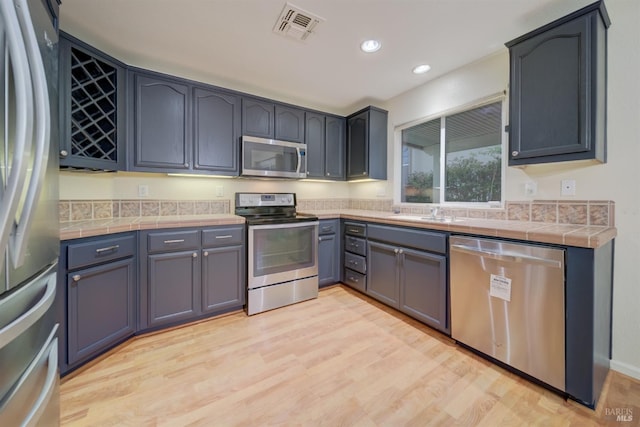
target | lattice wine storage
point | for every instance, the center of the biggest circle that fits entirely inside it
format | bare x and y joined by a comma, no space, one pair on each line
93,107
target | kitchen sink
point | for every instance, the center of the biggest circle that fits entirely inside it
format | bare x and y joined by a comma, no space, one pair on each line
438,219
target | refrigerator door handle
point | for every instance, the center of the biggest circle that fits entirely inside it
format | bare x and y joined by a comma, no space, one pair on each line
23,122
42,135
11,331
48,388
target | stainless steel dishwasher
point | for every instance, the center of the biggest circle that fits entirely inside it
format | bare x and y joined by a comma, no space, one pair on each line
507,301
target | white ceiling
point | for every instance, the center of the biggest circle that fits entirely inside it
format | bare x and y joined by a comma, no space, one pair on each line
230,42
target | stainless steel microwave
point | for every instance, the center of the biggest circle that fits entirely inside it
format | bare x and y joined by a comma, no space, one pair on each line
272,158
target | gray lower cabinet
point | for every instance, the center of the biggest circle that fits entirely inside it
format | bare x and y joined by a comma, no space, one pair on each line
354,257
329,252
186,274
96,296
410,279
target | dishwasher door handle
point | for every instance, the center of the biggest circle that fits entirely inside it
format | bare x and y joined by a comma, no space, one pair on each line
507,257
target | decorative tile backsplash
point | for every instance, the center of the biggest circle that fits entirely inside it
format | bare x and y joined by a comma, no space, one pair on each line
581,212
77,210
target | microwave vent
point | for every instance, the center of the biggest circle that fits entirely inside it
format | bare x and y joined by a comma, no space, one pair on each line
296,23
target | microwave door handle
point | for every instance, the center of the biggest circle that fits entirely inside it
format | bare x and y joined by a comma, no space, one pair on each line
23,122
299,160
42,135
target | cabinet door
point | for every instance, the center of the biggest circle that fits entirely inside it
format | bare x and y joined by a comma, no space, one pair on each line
217,127
222,278
92,107
161,135
382,273
258,118
289,124
315,140
328,260
335,149
174,285
357,147
423,287
100,308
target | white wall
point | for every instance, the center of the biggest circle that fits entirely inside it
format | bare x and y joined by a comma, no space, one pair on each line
616,180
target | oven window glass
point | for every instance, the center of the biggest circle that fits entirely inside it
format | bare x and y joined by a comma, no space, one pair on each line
268,157
283,249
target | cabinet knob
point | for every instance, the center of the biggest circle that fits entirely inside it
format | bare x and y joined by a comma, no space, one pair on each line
64,154
395,251
319,239
328,174
206,253
514,153
186,165
195,255
76,277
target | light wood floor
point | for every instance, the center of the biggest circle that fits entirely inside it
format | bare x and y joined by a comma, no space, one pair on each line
340,360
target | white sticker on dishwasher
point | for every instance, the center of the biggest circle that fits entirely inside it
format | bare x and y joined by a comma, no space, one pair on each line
500,287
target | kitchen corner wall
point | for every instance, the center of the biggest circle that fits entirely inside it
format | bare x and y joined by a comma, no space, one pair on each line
616,180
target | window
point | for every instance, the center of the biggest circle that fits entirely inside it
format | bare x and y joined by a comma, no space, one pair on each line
454,158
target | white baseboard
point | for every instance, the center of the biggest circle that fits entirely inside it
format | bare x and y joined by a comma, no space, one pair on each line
625,368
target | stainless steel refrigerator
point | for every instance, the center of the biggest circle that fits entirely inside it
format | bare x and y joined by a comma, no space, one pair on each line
29,236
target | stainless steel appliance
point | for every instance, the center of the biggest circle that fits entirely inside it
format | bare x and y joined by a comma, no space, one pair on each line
507,301
273,158
282,253
28,214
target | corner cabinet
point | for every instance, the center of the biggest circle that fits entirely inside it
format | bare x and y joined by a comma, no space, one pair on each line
92,107
97,296
407,270
367,144
557,98
181,127
325,139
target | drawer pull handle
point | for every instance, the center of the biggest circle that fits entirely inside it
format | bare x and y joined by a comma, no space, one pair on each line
174,241
107,249
226,236
326,228
353,279
354,230
76,277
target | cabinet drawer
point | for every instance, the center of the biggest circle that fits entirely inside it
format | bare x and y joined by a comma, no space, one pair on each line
173,241
222,237
329,226
411,238
355,262
355,229
95,252
355,245
355,280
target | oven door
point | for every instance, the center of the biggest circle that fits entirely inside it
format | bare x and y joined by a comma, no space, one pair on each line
282,252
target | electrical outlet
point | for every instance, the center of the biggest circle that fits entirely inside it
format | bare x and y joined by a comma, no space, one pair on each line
219,191
530,188
568,187
143,190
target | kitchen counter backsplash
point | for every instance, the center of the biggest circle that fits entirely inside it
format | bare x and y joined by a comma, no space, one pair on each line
579,212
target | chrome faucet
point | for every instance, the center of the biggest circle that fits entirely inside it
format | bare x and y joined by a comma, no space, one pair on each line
434,212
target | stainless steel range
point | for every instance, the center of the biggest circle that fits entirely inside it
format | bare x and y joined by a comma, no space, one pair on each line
282,254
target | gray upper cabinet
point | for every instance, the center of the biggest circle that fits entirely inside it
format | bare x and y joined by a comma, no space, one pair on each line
217,127
325,139
557,103
367,144
161,117
92,107
289,124
258,118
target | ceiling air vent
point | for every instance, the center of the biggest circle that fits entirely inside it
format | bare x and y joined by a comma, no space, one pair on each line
296,23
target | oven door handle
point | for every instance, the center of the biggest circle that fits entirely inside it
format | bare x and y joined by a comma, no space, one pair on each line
285,225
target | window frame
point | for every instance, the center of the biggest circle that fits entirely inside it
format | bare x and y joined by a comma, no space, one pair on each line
442,115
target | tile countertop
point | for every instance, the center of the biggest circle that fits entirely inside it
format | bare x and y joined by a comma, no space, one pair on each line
97,227
564,234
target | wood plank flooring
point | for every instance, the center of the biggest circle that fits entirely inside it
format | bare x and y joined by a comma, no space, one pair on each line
340,360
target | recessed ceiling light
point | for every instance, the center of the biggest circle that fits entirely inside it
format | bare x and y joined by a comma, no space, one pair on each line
370,46
421,69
